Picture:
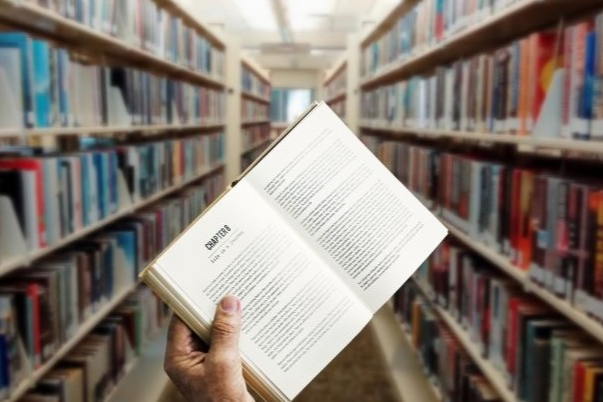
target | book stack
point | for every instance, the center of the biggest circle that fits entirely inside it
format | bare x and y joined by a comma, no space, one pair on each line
252,82
47,305
56,196
336,84
444,360
147,26
546,225
415,166
52,89
96,365
254,136
426,25
253,111
504,91
335,88
540,355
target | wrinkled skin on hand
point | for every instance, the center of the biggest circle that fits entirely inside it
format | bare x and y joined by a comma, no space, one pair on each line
212,375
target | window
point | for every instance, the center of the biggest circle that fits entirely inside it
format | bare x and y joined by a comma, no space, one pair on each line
288,103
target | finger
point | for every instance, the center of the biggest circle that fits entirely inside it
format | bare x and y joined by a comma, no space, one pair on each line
226,329
180,338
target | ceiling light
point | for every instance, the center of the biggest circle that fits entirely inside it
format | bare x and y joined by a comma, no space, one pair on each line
258,14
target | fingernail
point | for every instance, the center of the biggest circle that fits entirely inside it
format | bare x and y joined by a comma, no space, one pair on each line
230,304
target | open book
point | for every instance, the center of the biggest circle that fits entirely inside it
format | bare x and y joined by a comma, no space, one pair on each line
313,238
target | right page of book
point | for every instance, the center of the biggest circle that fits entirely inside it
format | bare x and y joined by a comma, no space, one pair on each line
348,206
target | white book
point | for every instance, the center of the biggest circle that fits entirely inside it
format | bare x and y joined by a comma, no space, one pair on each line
31,215
296,212
51,200
12,89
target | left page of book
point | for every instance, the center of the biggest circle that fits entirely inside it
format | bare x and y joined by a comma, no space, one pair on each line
297,315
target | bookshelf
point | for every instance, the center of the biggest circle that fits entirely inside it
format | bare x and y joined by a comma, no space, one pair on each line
564,147
335,87
401,359
496,29
28,259
488,370
83,331
30,17
199,68
255,111
438,63
145,380
147,130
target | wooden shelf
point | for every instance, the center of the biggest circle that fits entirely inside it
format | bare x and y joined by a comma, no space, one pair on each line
174,7
495,377
254,122
145,380
337,68
82,332
255,97
524,143
401,359
255,68
513,22
256,146
30,17
27,260
341,95
145,130
389,21
594,328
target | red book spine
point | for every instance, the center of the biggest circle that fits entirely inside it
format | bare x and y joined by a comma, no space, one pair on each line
598,258
544,49
515,214
578,384
34,165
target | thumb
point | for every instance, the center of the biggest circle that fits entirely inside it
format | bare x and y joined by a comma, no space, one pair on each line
226,329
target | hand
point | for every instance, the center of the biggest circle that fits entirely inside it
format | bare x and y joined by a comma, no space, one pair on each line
216,375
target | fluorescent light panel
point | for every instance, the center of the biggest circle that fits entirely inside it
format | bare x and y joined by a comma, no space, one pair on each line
258,14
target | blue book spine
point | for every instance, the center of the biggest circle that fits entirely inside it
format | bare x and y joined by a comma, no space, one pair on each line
109,285
63,61
22,42
85,189
100,187
113,191
41,81
586,106
4,364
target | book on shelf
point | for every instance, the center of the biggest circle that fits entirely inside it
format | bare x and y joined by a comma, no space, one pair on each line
523,340
552,75
291,220
145,25
252,110
55,90
447,364
250,82
337,85
48,304
100,361
545,224
57,195
254,135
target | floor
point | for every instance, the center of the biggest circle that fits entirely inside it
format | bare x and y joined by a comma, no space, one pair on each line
357,374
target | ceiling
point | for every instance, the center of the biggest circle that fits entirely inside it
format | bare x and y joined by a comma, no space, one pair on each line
313,27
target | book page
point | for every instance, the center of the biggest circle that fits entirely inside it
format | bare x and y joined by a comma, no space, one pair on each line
348,206
297,315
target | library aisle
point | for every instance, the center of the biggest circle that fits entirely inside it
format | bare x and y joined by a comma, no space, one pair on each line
122,121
